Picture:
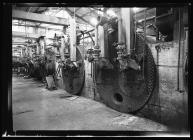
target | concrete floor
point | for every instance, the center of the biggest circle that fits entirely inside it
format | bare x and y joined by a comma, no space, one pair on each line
36,108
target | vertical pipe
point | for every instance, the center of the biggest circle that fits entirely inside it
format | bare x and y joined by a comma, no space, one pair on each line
94,64
106,47
43,46
21,50
96,35
101,41
62,48
72,40
83,49
157,80
157,32
120,27
135,33
186,34
30,52
9,108
27,51
127,25
158,84
186,82
37,49
91,70
144,42
96,44
179,48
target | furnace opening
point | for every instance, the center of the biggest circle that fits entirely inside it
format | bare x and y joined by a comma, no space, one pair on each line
118,97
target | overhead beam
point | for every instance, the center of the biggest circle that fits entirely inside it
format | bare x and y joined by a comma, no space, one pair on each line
23,35
18,43
141,14
37,9
34,26
95,9
90,11
77,9
28,35
71,13
17,14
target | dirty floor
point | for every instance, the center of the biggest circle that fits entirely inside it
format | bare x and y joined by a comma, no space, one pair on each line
36,108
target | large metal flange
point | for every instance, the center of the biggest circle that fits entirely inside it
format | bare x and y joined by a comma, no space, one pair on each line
127,91
137,87
73,80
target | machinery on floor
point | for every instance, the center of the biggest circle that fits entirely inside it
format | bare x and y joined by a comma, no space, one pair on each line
125,71
139,60
125,68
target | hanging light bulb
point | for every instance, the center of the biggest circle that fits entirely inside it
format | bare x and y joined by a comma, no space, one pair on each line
111,13
135,9
94,21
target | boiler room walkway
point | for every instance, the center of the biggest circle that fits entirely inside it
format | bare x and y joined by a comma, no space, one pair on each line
36,108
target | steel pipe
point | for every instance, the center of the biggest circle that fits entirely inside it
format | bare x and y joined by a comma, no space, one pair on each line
179,48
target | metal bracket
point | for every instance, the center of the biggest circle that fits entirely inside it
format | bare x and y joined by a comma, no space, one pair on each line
158,48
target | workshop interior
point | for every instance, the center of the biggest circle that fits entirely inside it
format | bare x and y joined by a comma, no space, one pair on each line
100,68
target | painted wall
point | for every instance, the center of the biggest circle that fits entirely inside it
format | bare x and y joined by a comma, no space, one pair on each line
168,105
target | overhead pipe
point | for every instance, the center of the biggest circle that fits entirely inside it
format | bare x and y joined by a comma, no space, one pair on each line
86,32
101,21
31,45
19,43
157,17
89,35
89,31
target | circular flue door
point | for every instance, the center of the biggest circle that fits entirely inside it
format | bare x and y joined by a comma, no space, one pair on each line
73,79
128,90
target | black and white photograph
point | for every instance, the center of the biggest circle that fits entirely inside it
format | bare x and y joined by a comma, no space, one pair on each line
99,68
